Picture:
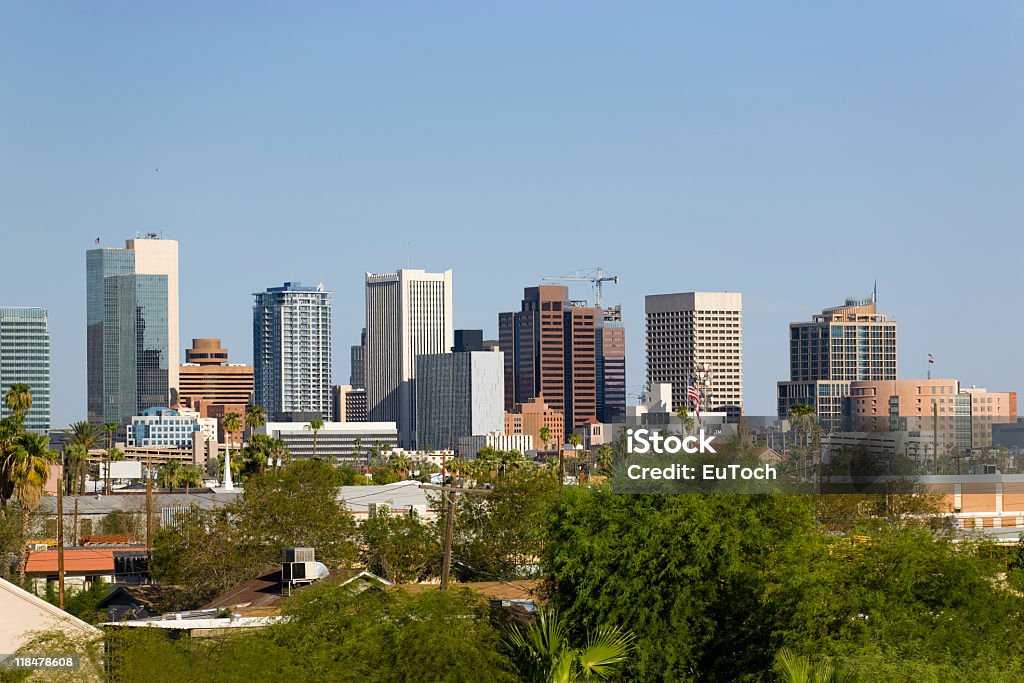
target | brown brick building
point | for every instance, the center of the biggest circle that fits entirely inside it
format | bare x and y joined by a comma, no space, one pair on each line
207,379
555,348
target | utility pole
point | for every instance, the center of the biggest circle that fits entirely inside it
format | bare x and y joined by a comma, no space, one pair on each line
449,525
449,530
149,507
60,534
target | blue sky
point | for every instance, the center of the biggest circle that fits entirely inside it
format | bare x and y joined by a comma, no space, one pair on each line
793,151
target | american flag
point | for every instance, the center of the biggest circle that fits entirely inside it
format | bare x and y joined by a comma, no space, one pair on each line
931,358
691,393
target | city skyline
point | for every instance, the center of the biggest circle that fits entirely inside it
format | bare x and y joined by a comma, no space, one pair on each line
770,155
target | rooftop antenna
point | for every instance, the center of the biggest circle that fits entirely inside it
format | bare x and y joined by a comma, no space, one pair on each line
874,293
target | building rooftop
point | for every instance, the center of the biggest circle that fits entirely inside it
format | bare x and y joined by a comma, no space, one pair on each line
94,560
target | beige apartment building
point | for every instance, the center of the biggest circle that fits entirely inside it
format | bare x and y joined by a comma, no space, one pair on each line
697,337
961,417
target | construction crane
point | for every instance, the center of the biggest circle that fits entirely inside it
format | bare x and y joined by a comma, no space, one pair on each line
595,276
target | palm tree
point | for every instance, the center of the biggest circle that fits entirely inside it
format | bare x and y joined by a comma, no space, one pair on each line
84,435
546,654
110,428
9,430
255,417
545,436
28,467
188,477
605,455
576,441
402,464
278,452
684,419
799,669
232,423
315,426
169,474
18,399
73,457
802,416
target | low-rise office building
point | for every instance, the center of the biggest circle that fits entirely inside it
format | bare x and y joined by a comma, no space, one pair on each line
960,416
499,441
530,417
339,441
169,427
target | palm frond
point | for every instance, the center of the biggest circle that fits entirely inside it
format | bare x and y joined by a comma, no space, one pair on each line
607,648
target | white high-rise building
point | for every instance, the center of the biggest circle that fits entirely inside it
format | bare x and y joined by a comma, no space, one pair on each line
408,314
697,337
292,352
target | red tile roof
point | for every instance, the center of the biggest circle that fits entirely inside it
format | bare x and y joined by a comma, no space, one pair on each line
77,561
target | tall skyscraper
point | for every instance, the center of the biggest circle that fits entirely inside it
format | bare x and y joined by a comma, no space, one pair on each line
613,366
25,359
554,348
408,314
458,395
132,328
357,375
291,339
697,337
842,344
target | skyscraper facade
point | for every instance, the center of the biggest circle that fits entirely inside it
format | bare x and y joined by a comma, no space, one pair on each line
25,359
132,328
555,348
357,375
458,395
292,352
613,367
843,344
697,338
408,314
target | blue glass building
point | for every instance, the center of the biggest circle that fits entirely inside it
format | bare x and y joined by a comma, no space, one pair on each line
131,329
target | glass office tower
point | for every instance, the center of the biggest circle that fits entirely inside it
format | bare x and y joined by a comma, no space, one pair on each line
25,359
131,323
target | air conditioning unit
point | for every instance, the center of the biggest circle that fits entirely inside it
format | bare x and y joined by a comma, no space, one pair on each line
298,571
298,555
